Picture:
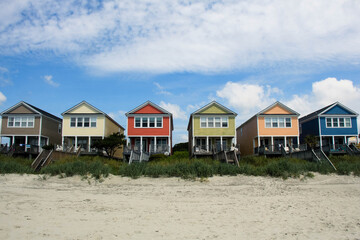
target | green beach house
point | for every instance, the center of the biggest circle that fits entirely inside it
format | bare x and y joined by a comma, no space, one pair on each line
211,129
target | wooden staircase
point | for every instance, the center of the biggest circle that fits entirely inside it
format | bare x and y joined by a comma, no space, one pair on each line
230,157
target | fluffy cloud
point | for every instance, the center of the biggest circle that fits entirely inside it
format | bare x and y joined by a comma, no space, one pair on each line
174,109
201,36
2,98
326,92
246,98
48,80
4,77
161,89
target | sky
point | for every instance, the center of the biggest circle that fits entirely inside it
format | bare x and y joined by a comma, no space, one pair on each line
180,55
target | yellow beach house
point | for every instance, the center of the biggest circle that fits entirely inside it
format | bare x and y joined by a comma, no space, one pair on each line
84,124
271,131
211,129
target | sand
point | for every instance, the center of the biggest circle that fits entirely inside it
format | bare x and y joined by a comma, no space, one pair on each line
241,207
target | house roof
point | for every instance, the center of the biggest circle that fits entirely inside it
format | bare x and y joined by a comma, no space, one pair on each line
34,109
94,108
145,104
262,112
323,110
209,105
155,106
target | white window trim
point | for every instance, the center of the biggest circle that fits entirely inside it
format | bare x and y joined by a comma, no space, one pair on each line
148,121
278,122
21,116
221,121
83,121
338,122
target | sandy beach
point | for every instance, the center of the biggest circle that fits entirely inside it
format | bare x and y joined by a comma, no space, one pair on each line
241,207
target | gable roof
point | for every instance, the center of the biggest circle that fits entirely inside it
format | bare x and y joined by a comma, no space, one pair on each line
325,109
281,105
211,104
33,108
262,112
145,104
94,108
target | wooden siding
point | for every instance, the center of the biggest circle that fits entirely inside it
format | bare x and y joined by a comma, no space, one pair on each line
148,109
293,131
5,130
81,131
249,132
213,110
229,131
83,109
111,127
277,110
164,131
50,128
22,110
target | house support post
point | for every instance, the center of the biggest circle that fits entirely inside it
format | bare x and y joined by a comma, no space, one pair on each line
207,143
141,144
333,142
272,143
89,147
221,143
155,150
345,142
285,144
169,143
75,143
298,141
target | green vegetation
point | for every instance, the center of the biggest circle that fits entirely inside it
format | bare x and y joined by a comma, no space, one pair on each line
111,143
179,165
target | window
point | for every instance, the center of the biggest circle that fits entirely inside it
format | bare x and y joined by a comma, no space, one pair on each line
137,122
159,122
328,122
152,122
217,122
268,122
281,122
148,122
335,122
288,122
224,122
347,122
11,122
144,122
93,122
203,122
277,122
59,128
79,122
210,122
73,122
274,122
21,122
86,122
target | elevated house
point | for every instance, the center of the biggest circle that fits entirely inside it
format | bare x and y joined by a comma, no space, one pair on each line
28,128
83,124
211,129
271,131
149,130
333,126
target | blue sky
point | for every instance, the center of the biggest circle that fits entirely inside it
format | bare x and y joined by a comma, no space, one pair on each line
180,55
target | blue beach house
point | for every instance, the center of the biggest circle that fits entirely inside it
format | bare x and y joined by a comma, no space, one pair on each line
333,125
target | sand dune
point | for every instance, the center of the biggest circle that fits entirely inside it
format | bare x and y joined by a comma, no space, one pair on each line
242,207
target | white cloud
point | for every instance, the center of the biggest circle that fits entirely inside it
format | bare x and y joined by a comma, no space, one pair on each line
174,109
48,80
246,98
161,89
326,92
4,77
2,98
201,36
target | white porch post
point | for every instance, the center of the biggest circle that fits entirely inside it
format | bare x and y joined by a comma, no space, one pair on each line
207,143
26,140
345,140
62,141
221,143
298,141
89,147
258,141
155,144
321,141
272,143
13,140
333,142
75,142
285,142
141,144
169,145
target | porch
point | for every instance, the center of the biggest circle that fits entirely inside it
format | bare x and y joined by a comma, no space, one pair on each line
83,142
335,144
149,144
275,145
208,145
22,145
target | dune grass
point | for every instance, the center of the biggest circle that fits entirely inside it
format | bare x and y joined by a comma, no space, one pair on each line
179,165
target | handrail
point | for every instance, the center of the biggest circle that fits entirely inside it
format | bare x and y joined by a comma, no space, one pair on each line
78,152
47,159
